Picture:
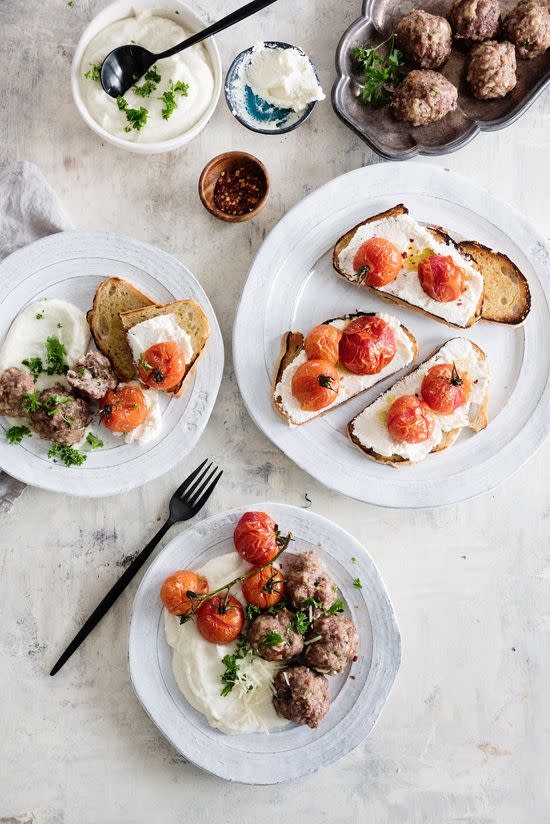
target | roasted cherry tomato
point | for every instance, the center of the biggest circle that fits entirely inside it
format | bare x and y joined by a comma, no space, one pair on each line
444,388
220,619
264,588
377,262
123,409
162,366
322,343
441,278
256,537
410,420
367,345
173,592
315,384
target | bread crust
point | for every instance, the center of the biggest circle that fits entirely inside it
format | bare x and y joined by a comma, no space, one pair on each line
480,422
491,262
292,343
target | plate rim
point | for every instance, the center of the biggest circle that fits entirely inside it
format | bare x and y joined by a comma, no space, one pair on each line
88,237
438,177
388,620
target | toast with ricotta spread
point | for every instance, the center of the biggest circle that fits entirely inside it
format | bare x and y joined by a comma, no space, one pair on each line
191,320
293,354
494,287
369,430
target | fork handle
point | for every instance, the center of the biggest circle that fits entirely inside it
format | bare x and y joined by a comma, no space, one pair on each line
116,590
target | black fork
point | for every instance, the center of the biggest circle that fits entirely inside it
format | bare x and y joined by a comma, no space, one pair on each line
185,503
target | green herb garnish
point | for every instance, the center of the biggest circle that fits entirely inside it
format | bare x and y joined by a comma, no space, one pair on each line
336,608
16,434
94,73
252,611
275,608
272,639
66,454
34,365
151,78
382,73
31,402
178,86
231,674
301,623
95,443
358,583
52,404
39,315
152,74
169,104
137,118
310,602
55,357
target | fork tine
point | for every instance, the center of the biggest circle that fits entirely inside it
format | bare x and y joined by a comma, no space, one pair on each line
190,491
201,502
190,478
197,490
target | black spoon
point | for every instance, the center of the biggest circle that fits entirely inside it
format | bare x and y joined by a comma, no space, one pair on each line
125,65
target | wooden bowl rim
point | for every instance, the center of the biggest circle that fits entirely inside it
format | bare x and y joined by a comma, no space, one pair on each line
225,159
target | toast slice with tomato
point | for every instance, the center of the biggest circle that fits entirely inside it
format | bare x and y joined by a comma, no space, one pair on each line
504,298
293,354
369,429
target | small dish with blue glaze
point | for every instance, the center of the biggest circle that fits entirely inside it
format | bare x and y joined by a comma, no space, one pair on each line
253,111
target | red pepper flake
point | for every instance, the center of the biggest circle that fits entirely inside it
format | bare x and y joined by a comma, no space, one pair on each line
239,190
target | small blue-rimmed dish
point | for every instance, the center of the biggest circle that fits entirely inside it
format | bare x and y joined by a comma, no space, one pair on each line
252,111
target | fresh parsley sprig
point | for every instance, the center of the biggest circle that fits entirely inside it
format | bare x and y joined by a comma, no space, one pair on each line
15,434
66,454
231,674
382,71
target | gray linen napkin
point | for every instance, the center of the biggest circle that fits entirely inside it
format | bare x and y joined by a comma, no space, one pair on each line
29,210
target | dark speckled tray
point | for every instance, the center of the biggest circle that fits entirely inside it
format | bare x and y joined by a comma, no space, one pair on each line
397,141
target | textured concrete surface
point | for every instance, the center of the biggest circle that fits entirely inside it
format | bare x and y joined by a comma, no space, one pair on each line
465,736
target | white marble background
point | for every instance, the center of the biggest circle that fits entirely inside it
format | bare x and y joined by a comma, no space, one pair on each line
465,736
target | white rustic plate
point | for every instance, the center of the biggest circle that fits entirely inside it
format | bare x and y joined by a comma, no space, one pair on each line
292,286
292,751
70,265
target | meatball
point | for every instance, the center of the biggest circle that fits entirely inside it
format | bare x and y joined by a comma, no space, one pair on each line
332,644
528,28
307,578
425,39
61,417
265,631
424,97
301,695
14,383
491,70
475,19
92,376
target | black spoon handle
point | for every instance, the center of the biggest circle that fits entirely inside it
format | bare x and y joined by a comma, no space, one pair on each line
117,589
230,20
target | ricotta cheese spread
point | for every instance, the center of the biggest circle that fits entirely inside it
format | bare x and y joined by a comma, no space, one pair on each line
405,233
370,426
160,329
151,426
283,77
197,666
43,319
350,384
191,67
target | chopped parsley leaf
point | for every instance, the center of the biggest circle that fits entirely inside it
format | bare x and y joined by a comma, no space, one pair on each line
66,454
94,72
231,675
252,611
52,404
34,365
153,75
358,584
275,608
179,86
95,443
310,602
146,90
353,559
272,639
336,608
16,434
55,357
137,118
31,402
169,104
39,315
301,623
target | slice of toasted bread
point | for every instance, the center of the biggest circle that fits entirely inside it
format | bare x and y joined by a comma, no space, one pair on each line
479,422
506,297
190,317
115,295
293,345
506,294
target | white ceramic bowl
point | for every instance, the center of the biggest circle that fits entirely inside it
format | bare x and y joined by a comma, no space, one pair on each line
118,11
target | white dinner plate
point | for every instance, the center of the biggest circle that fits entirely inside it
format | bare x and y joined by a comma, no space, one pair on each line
70,266
288,752
292,286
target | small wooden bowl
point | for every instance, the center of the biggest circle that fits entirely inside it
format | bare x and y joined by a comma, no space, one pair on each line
209,177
